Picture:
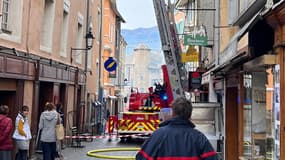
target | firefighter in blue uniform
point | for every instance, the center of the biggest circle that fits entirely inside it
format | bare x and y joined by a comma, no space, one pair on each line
176,139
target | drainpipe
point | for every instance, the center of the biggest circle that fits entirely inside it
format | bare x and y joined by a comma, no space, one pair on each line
217,32
100,88
86,119
212,94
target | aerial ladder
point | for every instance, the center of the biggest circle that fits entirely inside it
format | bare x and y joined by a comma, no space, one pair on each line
207,116
171,48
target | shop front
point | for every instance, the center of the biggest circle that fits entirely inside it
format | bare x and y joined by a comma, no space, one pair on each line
260,109
277,21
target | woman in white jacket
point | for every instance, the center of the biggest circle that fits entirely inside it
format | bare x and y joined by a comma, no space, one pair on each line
22,133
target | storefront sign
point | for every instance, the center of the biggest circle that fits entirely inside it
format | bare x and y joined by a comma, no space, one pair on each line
191,56
196,37
206,78
195,79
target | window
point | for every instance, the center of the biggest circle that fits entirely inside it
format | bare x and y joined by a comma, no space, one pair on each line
111,32
5,14
190,16
64,31
79,38
99,25
233,11
12,12
261,114
244,4
47,26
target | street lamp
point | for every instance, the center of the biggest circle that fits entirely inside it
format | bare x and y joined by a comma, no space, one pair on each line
89,44
90,38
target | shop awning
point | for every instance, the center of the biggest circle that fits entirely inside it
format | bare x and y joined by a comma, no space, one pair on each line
229,57
252,9
260,63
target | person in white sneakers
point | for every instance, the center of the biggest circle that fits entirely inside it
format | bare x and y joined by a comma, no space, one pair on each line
22,133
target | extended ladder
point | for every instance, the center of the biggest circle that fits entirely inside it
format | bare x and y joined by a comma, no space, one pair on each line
171,48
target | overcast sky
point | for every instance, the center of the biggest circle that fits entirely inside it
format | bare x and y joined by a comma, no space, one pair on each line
137,13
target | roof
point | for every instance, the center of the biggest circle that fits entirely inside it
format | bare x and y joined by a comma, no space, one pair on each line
114,7
142,46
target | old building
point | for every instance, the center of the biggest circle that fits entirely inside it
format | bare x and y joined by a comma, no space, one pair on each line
247,75
45,57
111,34
244,72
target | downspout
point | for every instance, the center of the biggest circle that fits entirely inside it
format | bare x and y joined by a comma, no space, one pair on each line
100,88
35,100
86,104
28,28
212,94
217,32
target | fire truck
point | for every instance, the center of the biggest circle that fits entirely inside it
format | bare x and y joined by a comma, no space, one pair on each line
147,110
144,113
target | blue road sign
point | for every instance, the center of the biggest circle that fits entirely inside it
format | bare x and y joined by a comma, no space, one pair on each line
110,64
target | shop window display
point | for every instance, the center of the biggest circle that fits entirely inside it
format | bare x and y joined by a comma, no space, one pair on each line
261,110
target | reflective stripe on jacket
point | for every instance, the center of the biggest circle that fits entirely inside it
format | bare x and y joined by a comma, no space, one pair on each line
177,140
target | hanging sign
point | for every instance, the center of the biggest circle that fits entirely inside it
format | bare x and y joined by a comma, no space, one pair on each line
110,64
191,56
196,37
195,79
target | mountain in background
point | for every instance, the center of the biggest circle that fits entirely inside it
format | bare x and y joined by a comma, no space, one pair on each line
149,36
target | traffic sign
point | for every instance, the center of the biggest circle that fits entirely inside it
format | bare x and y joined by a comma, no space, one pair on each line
110,64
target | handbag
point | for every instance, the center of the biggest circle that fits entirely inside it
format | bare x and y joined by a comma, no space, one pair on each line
59,130
23,144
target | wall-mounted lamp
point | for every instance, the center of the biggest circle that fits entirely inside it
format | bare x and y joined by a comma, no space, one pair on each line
89,39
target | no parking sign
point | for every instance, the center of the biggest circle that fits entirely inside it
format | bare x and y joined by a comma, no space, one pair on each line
110,64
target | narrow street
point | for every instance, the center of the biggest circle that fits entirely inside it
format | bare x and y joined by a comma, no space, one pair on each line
73,153
71,69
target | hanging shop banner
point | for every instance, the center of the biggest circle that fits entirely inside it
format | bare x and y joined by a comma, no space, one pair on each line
195,80
110,64
196,37
190,56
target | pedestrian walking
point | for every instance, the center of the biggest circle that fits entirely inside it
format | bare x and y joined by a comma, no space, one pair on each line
176,139
59,110
6,129
60,143
22,133
48,121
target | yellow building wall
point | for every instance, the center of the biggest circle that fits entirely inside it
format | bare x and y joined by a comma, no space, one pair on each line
28,97
226,31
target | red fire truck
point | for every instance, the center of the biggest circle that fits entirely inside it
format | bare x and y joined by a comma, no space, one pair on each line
144,113
146,110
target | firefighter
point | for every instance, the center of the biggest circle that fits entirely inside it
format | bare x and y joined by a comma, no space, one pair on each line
177,139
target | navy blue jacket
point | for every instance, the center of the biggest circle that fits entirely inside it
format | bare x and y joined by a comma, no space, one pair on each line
177,139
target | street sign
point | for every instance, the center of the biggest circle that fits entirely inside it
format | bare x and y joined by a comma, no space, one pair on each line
110,64
196,37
